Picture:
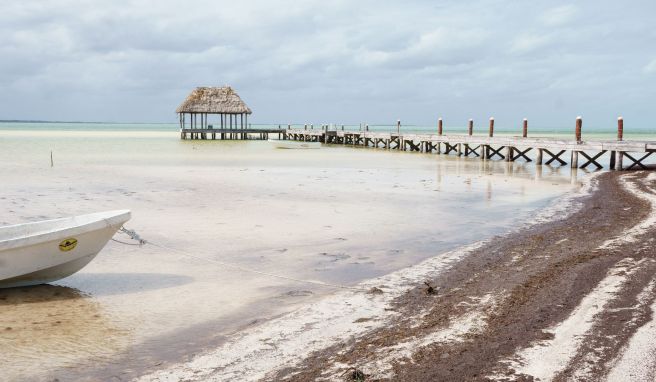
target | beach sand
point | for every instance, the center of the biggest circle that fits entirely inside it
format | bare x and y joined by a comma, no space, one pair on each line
336,215
570,297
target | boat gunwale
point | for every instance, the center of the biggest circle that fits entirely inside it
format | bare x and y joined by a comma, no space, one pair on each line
111,219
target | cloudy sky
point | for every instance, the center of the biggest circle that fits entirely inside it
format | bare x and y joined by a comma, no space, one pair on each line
332,61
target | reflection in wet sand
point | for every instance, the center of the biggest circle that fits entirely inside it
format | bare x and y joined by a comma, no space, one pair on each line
45,326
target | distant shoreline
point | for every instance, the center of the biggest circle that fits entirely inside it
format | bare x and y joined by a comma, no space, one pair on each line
84,122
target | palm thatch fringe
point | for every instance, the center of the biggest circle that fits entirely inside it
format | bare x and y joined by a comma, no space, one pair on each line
213,100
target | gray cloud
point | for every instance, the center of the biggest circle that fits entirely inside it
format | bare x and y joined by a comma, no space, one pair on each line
337,61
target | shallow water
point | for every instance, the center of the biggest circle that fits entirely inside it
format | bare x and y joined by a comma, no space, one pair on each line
338,215
608,131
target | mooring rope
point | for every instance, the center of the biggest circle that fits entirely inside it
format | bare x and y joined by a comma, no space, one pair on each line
140,242
126,243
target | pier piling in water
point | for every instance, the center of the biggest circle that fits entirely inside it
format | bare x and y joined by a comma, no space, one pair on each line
617,155
489,147
574,161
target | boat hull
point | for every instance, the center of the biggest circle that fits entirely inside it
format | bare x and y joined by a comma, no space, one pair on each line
40,255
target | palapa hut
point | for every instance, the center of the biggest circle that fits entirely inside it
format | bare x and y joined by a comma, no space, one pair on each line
205,101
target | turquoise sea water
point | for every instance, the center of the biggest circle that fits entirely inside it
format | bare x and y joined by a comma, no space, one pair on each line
564,132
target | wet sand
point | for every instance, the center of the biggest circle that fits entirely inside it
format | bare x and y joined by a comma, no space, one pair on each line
556,302
571,298
336,215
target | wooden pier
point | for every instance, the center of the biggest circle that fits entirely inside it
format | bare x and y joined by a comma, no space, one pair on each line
230,134
625,155
233,113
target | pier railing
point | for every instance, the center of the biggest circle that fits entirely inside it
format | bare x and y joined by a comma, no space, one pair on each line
541,150
509,148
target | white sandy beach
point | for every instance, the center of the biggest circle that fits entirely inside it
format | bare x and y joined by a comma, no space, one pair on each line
335,215
259,353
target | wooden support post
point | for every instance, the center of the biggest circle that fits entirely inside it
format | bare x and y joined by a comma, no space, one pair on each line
491,132
574,163
398,126
459,149
525,128
611,165
470,129
439,126
538,157
616,156
483,152
619,156
509,154
620,128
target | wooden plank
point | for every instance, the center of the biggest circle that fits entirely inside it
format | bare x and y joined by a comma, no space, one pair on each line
553,144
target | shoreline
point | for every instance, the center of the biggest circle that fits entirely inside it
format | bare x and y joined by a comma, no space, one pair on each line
519,285
171,309
317,326
552,302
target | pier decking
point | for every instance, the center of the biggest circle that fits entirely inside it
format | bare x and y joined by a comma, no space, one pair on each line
624,155
508,148
230,134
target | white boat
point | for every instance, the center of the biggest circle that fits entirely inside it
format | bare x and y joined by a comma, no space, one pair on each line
45,251
282,144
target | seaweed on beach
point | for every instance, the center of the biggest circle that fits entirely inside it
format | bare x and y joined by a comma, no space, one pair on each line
354,374
430,290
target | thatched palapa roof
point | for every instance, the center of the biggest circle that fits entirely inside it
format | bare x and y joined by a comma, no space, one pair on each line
213,100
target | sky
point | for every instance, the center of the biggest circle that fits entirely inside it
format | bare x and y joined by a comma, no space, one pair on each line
333,61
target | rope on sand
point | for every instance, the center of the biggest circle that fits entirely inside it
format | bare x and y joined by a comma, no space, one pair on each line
140,242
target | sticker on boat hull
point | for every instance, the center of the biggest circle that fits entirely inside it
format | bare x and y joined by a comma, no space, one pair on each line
68,244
